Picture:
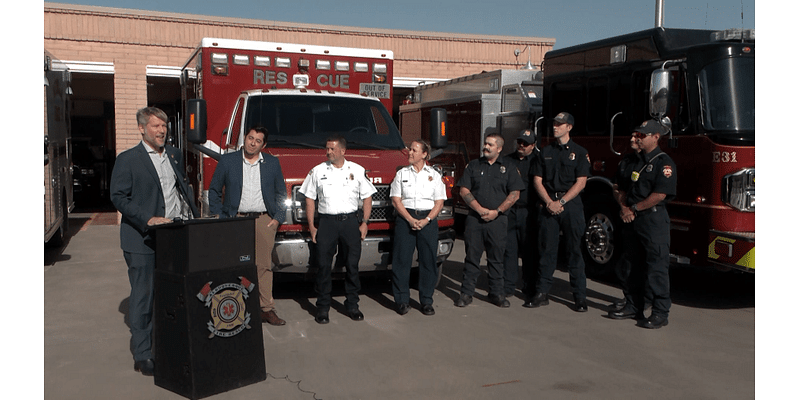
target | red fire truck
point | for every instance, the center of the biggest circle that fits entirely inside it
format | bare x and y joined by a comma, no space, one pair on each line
302,94
703,84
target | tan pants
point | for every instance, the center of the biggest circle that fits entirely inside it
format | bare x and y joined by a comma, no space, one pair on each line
265,241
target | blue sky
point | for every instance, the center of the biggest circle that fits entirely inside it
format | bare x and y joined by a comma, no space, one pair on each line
570,22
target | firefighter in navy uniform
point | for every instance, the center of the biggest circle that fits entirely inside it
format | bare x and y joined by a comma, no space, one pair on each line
652,184
559,176
521,222
489,188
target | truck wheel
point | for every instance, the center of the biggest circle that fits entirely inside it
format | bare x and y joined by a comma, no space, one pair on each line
602,245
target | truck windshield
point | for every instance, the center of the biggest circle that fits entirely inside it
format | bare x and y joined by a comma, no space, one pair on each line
308,121
727,90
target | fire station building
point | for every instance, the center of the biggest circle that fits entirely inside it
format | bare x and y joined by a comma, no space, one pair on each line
125,59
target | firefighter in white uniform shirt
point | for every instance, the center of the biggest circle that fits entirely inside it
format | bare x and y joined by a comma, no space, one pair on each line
417,194
338,186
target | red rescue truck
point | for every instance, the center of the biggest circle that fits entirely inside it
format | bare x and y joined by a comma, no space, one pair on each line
700,82
302,94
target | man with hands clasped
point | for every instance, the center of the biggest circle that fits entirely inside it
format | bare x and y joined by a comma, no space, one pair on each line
489,188
560,174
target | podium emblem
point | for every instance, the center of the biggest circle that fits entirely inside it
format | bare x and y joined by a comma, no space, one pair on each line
226,302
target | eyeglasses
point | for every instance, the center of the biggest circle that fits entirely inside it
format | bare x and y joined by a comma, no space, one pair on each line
524,143
640,135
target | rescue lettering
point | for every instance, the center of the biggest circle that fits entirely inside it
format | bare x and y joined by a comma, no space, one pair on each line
376,179
334,81
724,156
267,77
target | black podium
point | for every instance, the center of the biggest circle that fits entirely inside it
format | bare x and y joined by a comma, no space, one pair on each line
206,313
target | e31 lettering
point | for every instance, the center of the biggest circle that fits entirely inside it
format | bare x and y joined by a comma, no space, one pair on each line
724,156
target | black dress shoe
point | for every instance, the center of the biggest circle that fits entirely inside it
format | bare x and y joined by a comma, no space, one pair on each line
427,309
355,315
146,367
463,300
624,313
617,305
402,309
537,301
580,305
654,322
499,301
322,318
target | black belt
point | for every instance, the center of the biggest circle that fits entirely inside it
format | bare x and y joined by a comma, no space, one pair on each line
251,214
647,210
418,212
339,217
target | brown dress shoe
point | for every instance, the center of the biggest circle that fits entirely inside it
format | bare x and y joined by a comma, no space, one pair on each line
271,318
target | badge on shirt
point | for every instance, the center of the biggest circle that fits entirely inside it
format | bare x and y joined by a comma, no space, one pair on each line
650,168
572,156
430,178
352,177
667,171
635,176
502,169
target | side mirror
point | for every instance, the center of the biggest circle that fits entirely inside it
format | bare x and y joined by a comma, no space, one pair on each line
660,84
196,121
438,128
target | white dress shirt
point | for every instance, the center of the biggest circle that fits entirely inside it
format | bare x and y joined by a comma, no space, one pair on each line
252,199
418,190
337,190
174,207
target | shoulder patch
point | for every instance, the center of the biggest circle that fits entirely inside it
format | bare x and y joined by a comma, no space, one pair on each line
667,171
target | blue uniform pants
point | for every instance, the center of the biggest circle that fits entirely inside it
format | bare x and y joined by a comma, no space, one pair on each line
426,242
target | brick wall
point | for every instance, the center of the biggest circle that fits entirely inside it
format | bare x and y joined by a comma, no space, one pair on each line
133,39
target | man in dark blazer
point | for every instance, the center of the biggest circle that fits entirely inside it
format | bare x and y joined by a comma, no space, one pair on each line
149,187
253,185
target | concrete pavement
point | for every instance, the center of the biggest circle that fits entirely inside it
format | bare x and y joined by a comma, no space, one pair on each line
706,352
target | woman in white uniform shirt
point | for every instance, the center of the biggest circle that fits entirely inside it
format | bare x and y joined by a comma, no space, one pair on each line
418,195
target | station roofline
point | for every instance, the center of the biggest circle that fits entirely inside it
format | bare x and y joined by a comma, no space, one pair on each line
136,13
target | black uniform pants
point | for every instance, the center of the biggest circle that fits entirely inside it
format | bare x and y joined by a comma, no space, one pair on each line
491,237
333,230
649,257
520,229
572,223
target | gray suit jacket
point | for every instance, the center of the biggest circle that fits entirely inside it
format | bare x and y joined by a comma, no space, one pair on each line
136,193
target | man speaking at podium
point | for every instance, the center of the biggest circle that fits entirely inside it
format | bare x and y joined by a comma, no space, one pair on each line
149,187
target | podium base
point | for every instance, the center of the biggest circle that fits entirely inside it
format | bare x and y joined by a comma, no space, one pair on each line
207,331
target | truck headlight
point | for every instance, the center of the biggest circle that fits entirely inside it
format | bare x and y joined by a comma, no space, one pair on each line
739,190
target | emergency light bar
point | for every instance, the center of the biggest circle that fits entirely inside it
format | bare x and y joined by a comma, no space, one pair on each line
733,35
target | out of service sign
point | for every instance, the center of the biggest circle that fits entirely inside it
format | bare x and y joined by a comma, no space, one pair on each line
379,90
